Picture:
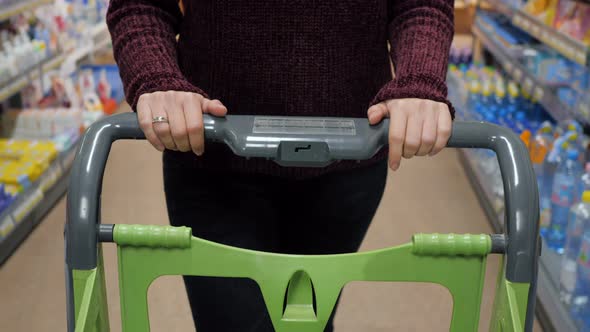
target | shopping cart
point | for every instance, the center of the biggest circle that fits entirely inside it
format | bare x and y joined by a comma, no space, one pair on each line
300,291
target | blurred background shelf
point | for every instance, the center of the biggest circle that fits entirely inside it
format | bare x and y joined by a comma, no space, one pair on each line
19,82
15,7
520,74
34,203
562,43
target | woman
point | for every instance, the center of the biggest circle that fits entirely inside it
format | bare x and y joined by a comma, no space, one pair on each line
289,58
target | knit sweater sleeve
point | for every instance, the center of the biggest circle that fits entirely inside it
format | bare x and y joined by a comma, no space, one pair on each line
144,44
420,36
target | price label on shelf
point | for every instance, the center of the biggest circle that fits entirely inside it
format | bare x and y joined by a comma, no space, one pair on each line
545,37
535,30
570,52
526,25
49,178
6,226
581,56
553,42
538,93
517,74
528,85
517,20
507,66
27,205
584,110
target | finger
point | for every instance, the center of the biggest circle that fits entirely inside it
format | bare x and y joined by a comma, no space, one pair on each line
194,125
162,129
178,127
428,132
144,115
214,107
376,113
413,135
443,131
397,135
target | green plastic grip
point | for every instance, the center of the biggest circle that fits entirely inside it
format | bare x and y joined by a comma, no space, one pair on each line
152,236
451,244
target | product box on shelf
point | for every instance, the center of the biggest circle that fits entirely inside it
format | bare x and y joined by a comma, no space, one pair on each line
573,19
543,10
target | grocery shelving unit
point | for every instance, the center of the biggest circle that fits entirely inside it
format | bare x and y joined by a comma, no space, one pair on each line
34,203
562,43
100,39
19,82
520,74
20,6
551,312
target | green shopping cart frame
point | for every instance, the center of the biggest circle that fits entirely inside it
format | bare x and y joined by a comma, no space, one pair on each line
300,291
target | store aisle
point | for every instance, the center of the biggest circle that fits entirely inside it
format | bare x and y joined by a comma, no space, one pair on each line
427,195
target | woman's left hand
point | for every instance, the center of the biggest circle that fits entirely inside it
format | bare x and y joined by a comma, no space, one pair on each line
417,127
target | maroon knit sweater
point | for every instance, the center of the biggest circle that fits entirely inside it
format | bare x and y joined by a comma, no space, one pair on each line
279,57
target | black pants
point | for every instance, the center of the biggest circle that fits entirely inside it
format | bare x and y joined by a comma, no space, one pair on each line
324,215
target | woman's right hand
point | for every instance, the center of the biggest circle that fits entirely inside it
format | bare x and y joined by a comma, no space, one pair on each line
184,111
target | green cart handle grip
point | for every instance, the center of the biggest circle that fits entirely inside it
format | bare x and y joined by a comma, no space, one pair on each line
308,142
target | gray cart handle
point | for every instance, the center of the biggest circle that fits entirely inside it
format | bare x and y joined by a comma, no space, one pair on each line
296,141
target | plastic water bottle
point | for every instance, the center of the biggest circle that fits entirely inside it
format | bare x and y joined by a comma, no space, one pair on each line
474,98
513,97
538,150
565,194
579,307
586,177
552,161
578,221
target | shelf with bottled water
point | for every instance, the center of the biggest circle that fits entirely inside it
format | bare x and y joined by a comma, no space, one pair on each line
556,83
560,24
558,151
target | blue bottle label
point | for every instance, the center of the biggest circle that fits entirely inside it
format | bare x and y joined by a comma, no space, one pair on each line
564,193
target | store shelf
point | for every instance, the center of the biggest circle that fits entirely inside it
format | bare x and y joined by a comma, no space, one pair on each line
528,82
552,314
564,44
20,6
100,40
22,80
33,204
500,7
567,46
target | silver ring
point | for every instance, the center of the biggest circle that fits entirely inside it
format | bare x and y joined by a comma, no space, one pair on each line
159,119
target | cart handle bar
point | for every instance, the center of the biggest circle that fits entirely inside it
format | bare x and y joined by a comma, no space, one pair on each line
306,142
